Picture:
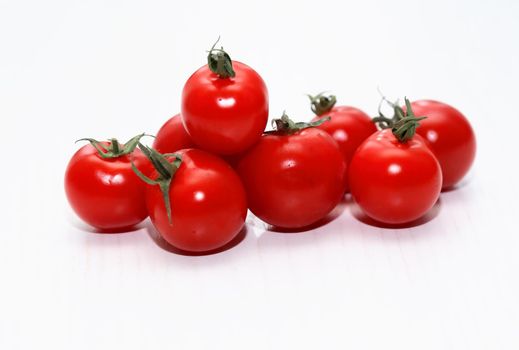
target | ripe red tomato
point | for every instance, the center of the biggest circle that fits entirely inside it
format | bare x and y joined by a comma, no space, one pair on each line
449,135
172,136
105,192
395,181
204,197
349,126
224,105
293,177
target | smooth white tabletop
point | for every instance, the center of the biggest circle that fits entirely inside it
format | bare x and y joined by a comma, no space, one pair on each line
72,69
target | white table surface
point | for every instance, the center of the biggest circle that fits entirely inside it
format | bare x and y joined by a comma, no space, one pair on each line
72,69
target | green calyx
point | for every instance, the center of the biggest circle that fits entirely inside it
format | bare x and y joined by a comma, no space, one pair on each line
115,149
404,124
285,125
219,62
322,103
166,169
384,122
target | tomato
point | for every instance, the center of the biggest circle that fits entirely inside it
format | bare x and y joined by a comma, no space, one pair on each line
394,176
102,188
349,126
199,204
449,135
224,105
172,136
293,177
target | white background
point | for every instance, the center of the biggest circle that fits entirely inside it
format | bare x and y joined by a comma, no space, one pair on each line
72,69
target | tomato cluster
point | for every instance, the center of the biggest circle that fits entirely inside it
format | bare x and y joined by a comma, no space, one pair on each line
214,161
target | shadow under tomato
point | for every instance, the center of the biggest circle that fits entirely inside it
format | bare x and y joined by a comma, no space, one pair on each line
162,243
461,184
117,231
455,187
358,214
334,214
90,229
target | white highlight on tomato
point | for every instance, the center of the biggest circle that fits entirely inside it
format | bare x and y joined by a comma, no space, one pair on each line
432,136
289,163
340,135
109,179
226,102
199,196
394,169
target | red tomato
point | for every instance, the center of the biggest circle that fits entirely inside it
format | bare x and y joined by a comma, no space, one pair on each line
348,126
172,136
105,193
293,179
208,203
394,181
225,112
449,135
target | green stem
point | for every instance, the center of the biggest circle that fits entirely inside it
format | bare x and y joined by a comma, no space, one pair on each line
287,126
219,62
166,170
405,127
115,146
114,149
384,122
321,103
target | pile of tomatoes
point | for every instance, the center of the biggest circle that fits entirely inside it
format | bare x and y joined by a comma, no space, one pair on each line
214,161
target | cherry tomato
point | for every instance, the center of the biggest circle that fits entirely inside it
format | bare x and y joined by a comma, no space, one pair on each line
395,181
207,200
449,135
349,126
293,177
105,192
172,136
224,105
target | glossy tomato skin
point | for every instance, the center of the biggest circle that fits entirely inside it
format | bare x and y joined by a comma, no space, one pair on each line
172,136
208,204
225,116
393,182
106,193
450,136
293,181
349,127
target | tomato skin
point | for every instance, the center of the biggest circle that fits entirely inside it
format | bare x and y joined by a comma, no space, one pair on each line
106,193
208,204
295,180
349,127
450,136
394,182
225,116
172,136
